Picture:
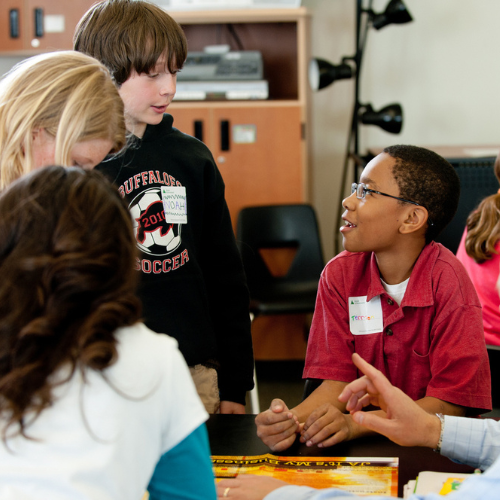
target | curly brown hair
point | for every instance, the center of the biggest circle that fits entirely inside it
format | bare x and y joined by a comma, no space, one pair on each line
67,252
483,225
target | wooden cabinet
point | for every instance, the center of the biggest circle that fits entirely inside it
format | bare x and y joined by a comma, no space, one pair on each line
32,26
258,149
10,13
261,147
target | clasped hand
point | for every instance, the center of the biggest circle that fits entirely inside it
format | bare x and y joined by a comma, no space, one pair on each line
278,427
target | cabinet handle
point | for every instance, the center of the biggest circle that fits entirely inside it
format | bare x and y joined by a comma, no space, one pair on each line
38,22
224,135
14,23
198,130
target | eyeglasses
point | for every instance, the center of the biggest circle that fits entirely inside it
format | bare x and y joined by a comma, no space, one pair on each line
361,190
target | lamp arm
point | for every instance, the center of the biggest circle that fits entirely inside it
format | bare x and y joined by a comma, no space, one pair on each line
352,140
348,58
361,37
371,13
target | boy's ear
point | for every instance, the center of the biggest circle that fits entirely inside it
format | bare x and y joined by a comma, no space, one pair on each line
416,219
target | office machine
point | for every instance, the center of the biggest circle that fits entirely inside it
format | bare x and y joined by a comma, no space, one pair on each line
219,74
212,66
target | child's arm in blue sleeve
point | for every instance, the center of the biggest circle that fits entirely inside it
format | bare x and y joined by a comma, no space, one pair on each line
185,471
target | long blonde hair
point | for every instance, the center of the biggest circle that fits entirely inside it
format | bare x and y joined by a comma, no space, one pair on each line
483,225
70,95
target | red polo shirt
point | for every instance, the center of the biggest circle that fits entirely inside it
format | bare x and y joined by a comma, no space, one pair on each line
433,345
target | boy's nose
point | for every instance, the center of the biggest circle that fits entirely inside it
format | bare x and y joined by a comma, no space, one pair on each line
168,87
349,202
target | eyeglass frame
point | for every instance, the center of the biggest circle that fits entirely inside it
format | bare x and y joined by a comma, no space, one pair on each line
355,189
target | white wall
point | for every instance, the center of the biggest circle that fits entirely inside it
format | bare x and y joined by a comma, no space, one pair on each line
443,68
7,62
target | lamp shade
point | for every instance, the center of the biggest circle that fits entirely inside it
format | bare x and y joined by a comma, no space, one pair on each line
389,118
395,13
322,73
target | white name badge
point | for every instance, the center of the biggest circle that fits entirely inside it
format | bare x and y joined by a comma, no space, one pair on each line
365,317
174,204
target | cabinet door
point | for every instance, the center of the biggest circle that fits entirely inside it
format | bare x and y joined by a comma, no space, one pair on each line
259,151
262,162
193,121
11,32
50,24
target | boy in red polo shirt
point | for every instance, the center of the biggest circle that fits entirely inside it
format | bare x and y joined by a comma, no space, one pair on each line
400,300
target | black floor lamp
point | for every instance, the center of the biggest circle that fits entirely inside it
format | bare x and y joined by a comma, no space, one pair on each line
322,73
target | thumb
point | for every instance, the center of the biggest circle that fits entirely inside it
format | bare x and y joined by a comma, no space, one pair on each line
278,406
375,423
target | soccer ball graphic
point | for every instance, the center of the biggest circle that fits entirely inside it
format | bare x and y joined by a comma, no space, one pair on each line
154,235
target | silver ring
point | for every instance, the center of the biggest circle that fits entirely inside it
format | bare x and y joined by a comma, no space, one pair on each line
226,491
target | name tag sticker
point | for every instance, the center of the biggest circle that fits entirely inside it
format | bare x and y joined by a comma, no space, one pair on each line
174,204
365,317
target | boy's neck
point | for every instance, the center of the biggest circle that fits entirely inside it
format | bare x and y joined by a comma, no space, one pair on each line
396,266
136,128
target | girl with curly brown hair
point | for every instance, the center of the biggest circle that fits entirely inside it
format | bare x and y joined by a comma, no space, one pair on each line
93,405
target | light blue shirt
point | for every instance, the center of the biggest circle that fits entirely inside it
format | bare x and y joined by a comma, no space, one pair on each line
471,441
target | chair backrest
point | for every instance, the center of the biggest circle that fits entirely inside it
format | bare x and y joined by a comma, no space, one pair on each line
477,181
279,227
494,358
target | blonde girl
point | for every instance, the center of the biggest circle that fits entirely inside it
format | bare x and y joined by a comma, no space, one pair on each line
57,108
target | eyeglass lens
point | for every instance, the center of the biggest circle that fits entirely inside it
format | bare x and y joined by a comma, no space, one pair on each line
359,189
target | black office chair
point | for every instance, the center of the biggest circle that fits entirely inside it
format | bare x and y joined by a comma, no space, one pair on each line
266,228
311,384
477,181
494,357
278,227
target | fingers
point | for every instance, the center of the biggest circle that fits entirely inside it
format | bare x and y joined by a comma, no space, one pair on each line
277,427
325,426
357,387
277,437
407,424
361,400
390,428
366,390
375,379
278,406
278,412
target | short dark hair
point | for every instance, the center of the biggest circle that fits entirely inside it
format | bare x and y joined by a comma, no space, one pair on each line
428,179
128,35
